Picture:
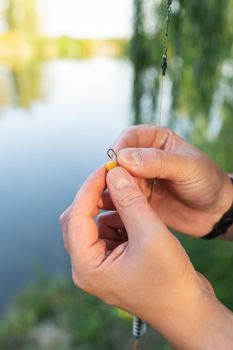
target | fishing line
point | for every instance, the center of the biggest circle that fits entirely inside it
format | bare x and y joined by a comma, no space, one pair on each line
160,112
139,326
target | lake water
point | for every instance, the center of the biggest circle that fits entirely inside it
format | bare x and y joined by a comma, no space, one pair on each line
46,152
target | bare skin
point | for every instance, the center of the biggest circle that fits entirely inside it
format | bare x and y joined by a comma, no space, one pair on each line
142,268
191,194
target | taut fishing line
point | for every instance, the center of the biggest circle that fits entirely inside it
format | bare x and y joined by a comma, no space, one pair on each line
139,326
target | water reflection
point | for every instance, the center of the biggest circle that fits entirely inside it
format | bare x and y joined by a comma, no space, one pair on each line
20,84
47,150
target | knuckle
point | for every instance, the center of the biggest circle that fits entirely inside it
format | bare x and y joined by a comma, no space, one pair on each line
158,158
168,139
130,199
74,222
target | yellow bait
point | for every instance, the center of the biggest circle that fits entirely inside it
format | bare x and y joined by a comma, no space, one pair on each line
111,165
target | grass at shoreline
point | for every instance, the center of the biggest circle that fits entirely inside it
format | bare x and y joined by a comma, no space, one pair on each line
54,315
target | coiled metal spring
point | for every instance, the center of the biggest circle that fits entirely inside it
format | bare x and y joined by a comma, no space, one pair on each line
139,328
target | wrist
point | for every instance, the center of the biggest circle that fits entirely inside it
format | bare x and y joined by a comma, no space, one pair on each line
224,219
191,322
195,320
212,328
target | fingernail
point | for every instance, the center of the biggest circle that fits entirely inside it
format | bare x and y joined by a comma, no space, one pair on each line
130,157
119,178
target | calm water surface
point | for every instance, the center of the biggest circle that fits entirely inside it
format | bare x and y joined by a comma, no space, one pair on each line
46,152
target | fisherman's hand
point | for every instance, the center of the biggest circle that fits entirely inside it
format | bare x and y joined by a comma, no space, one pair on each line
191,194
137,265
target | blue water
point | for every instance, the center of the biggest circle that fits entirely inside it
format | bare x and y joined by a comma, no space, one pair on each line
46,152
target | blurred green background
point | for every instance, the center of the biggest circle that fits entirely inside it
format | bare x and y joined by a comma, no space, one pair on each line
58,93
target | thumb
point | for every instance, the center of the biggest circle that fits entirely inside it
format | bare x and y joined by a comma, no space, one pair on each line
132,205
155,163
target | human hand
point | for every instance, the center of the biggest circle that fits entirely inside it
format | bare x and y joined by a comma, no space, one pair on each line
191,193
141,268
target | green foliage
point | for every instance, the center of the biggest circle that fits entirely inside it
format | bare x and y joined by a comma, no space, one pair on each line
200,45
80,320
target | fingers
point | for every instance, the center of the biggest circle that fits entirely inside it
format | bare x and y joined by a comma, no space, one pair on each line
155,163
111,230
87,200
110,219
154,152
105,202
142,136
111,227
131,204
80,231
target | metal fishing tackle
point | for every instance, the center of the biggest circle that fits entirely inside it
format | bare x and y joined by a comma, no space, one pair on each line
165,44
112,163
139,328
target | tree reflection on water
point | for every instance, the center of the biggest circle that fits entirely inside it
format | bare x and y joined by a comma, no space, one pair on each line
21,84
23,50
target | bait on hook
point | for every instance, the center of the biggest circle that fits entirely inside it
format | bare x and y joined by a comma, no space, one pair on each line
112,163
